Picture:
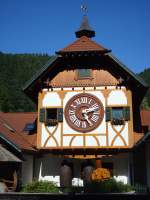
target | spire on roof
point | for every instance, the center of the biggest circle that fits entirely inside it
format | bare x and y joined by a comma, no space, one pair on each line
85,29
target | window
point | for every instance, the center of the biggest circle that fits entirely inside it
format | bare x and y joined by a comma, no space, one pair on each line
117,115
29,127
51,113
83,73
51,116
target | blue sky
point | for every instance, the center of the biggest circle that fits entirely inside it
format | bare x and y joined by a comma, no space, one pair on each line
45,26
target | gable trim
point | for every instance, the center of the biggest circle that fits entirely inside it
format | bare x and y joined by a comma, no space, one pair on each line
9,142
40,72
142,140
135,76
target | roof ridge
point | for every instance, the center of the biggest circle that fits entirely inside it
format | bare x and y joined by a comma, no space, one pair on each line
19,112
5,121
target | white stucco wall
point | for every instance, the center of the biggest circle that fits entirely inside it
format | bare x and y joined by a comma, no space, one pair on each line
64,135
27,169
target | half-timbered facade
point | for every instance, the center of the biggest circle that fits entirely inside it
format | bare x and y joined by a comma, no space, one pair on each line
88,105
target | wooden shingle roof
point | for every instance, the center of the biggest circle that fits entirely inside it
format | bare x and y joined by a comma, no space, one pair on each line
83,44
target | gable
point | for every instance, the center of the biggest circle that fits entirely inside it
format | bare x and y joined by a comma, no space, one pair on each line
69,78
59,64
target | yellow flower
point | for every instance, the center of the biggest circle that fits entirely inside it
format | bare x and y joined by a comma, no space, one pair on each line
100,174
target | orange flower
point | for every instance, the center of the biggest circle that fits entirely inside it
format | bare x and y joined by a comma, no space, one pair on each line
100,174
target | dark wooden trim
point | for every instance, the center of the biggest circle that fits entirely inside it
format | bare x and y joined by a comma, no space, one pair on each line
43,196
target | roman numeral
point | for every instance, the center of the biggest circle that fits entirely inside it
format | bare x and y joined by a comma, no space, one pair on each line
71,112
90,101
73,118
94,118
77,123
96,106
83,125
77,101
73,106
83,99
96,112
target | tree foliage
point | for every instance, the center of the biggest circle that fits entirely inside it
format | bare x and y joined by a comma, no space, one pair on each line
146,76
16,69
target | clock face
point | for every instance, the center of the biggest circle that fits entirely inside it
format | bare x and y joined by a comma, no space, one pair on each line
84,112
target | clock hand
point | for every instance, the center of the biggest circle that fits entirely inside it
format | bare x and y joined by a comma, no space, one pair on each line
87,119
89,110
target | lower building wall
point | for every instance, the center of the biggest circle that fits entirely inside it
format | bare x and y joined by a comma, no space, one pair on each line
148,163
120,166
27,169
139,165
47,167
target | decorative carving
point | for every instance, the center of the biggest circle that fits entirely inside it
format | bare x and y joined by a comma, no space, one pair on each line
51,136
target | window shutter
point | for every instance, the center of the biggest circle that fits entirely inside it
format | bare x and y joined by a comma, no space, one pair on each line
60,114
108,114
126,113
42,115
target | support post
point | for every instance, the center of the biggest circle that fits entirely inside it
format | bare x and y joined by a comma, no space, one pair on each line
87,168
66,174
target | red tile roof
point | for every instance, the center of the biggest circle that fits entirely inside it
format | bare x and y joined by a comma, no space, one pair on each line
12,125
83,44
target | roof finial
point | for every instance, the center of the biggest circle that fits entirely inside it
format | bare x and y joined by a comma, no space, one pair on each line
84,9
85,29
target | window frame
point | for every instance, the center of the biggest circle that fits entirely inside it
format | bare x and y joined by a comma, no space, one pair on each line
49,121
78,77
117,121
126,116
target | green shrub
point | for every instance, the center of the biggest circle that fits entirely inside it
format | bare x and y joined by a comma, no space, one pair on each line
106,186
72,189
40,186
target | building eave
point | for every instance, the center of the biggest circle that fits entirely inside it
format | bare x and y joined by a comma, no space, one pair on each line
7,156
39,73
14,146
135,76
142,140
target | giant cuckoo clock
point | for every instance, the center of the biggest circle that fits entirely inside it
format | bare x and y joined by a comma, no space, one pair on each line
84,97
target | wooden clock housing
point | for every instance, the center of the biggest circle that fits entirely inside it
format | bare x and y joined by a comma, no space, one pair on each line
85,69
